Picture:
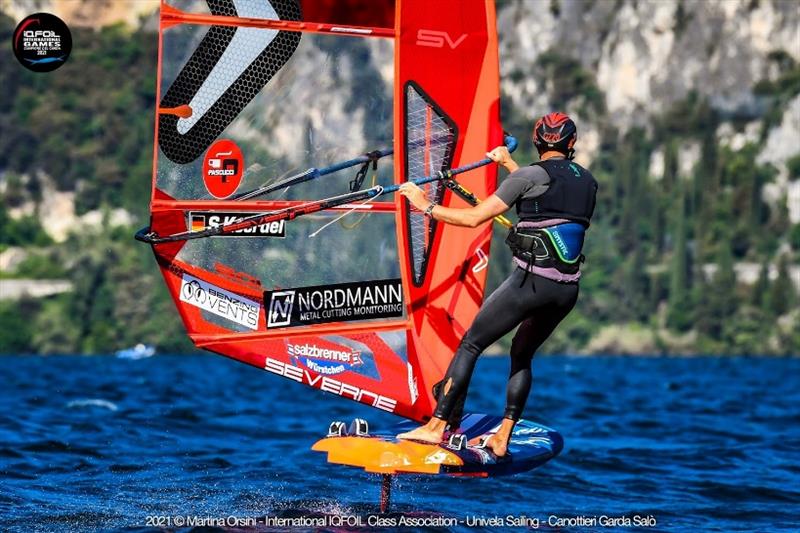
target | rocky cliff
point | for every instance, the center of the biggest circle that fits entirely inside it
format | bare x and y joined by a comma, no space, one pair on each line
641,58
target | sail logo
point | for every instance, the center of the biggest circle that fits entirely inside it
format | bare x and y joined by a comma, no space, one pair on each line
328,384
223,167
438,39
483,261
202,220
220,302
280,309
342,302
324,361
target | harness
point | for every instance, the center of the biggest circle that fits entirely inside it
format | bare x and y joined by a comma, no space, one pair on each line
556,247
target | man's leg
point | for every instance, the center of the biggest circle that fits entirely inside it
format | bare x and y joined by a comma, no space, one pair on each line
500,313
454,420
557,300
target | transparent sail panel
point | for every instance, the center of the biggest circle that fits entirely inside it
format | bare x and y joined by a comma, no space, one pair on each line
430,138
329,101
360,246
241,108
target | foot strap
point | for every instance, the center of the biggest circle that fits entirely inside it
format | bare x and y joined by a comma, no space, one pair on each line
336,429
359,428
457,441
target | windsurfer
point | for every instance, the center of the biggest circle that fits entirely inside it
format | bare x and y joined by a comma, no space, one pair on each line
555,200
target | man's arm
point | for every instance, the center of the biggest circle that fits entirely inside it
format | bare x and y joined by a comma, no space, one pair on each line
470,216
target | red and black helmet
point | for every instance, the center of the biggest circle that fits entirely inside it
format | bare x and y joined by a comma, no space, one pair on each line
555,131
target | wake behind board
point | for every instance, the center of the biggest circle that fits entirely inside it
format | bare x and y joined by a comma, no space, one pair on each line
531,446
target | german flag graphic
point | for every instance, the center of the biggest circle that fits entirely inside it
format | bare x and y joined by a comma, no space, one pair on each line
198,222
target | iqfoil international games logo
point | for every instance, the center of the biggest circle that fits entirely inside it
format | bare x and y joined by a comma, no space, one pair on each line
42,42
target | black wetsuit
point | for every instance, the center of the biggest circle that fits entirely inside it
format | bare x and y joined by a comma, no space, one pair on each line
535,303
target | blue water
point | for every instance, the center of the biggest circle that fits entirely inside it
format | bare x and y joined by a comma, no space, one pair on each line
98,443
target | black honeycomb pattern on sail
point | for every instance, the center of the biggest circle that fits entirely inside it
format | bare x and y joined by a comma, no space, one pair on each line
185,148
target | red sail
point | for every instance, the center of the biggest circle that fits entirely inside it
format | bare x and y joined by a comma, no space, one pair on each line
373,307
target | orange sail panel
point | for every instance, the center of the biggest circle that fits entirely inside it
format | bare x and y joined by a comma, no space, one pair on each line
446,80
252,93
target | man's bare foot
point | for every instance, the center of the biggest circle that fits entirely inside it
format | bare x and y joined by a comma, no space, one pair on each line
432,432
498,444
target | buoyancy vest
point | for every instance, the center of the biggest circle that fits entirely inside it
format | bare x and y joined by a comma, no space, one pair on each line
570,196
569,200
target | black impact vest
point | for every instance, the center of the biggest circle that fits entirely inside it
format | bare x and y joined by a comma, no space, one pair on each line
571,194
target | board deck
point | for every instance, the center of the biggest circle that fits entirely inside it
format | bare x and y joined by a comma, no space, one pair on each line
531,445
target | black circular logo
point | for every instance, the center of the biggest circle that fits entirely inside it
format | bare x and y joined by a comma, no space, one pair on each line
42,42
193,291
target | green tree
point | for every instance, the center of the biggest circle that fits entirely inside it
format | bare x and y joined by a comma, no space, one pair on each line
16,330
758,294
794,237
793,165
718,296
25,231
670,179
746,332
679,313
55,329
782,293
